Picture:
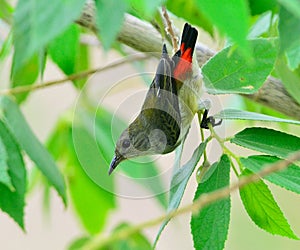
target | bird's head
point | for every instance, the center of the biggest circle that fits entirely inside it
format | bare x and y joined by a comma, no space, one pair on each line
136,141
124,150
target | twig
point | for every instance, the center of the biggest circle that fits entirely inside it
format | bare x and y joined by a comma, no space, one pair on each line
204,200
76,76
170,30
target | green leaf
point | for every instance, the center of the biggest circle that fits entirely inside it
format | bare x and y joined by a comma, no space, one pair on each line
4,168
288,178
58,138
82,63
188,10
178,155
288,28
90,158
6,47
293,6
179,181
293,57
235,114
205,172
103,127
63,49
110,15
253,106
12,201
210,225
45,23
181,176
290,79
268,141
69,54
234,74
261,26
230,17
91,202
136,241
263,209
257,6
78,243
42,56
6,11
25,75
16,123
144,9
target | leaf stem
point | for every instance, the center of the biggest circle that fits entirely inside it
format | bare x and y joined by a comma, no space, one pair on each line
229,153
226,150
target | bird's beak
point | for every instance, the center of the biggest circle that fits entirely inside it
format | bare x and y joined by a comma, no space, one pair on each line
115,162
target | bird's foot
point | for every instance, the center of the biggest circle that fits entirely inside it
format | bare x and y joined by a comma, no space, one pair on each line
208,120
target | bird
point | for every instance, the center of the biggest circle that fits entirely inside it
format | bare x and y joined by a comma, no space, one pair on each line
170,105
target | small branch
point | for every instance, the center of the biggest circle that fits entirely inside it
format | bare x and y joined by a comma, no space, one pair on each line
170,30
274,95
143,37
76,76
204,200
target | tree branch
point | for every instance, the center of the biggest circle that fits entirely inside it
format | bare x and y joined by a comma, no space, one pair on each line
144,37
204,200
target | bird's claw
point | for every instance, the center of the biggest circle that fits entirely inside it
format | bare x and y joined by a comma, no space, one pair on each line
208,120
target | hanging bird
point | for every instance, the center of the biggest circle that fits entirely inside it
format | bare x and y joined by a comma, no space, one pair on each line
169,107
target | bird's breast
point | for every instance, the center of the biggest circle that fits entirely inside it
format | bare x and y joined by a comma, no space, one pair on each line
189,96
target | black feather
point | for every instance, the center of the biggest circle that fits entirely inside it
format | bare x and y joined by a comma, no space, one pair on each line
189,37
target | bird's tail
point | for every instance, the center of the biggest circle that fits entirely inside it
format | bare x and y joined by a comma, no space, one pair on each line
185,53
188,42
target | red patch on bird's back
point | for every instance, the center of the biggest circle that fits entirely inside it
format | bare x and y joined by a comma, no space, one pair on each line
187,55
182,46
184,65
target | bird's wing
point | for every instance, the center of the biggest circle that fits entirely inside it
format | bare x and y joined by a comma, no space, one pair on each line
161,106
162,93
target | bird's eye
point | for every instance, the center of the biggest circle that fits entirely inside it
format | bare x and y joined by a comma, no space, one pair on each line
126,143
